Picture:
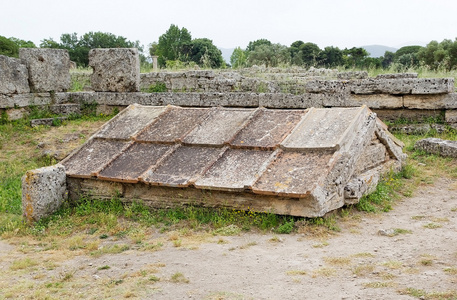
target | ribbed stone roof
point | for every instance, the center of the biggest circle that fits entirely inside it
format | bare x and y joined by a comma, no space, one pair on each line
292,153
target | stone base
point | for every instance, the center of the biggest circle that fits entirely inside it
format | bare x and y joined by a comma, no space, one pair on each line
43,191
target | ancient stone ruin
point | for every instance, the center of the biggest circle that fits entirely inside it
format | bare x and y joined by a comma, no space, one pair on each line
300,143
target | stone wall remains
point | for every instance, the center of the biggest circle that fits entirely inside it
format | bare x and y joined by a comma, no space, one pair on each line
41,77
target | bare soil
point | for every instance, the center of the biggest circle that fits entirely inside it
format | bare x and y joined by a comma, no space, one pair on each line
407,253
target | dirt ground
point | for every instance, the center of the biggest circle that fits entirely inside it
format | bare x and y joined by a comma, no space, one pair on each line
407,253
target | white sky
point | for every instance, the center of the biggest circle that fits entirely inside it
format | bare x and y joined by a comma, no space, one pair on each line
341,23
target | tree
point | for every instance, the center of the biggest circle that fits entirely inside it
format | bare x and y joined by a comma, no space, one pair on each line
354,57
204,53
387,59
21,43
253,44
295,56
170,46
8,47
310,54
269,55
331,57
238,59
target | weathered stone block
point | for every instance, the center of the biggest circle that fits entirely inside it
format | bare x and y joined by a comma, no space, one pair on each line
43,191
381,86
14,76
49,69
16,113
115,70
433,86
397,76
451,116
327,86
66,108
352,75
438,146
440,101
24,100
278,100
375,101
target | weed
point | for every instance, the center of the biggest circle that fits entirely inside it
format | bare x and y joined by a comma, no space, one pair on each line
113,249
23,264
337,260
422,294
105,267
228,230
250,244
296,272
426,262
158,87
451,271
153,278
432,226
287,227
326,272
178,278
363,270
321,245
379,284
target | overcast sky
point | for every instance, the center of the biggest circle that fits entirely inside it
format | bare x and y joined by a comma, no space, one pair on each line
341,23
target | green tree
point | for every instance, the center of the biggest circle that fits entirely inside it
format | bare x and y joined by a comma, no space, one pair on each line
269,55
355,57
331,57
253,44
204,53
8,47
295,56
22,44
171,44
310,54
238,59
427,54
387,59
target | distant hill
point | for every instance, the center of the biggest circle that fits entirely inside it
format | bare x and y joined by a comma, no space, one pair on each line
378,50
226,53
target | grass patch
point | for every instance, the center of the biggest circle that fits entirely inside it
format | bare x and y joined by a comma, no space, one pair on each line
422,294
179,278
24,263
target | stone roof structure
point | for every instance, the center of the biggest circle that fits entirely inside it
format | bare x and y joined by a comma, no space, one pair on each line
298,162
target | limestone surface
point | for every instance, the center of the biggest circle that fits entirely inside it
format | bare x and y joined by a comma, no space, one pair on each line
438,146
43,191
14,77
115,70
49,69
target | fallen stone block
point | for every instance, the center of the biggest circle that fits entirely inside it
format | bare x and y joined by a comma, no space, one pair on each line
49,69
14,76
115,70
43,191
46,121
438,146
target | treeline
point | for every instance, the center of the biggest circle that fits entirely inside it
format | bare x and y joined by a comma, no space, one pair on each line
263,52
176,48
